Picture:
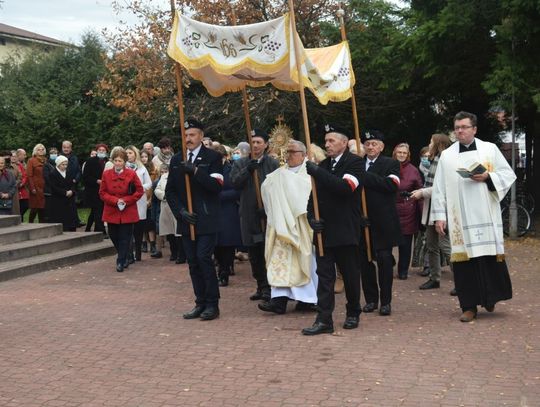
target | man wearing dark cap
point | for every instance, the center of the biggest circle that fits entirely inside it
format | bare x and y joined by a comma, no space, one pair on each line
381,184
205,171
93,170
250,214
339,180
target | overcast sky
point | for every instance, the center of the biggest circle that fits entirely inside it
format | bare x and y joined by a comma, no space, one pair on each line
67,20
63,20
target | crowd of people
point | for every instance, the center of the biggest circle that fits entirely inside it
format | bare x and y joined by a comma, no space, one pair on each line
307,226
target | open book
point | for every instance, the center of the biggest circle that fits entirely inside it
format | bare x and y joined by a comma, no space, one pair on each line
473,169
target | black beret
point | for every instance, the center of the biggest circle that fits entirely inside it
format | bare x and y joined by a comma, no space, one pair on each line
260,133
193,124
373,135
334,128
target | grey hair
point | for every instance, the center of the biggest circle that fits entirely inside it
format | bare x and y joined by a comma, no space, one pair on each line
243,147
301,146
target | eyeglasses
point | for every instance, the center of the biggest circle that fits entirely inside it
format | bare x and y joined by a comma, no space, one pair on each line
457,128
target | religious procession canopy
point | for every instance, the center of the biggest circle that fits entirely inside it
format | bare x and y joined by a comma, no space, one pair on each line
225,59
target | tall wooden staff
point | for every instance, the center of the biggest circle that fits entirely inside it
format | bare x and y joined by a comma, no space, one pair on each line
248,129
180,98
340,14
305,118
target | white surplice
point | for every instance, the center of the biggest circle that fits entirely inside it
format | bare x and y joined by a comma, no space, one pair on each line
288,247
472,212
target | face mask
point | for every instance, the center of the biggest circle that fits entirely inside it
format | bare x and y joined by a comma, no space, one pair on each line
53,156
133,166
102,155
425,162
235,156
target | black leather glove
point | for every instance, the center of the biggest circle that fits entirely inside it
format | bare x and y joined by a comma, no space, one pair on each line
261,213
252,165
316,225
190,218
364,222
189,167
311,167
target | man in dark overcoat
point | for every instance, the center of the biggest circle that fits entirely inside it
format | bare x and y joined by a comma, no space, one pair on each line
250,214
339,181
381,183
93,170
205,171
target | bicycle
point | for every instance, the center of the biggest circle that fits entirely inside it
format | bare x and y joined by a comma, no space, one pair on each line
523,218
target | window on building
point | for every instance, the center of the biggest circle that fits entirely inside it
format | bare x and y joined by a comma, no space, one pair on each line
2,41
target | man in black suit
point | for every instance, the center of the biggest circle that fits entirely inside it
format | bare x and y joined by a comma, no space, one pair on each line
339,180
381,184
205,171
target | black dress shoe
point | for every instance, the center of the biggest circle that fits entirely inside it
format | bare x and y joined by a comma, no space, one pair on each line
180,260
424,272
385,310
490,308
351,323
402,276
119,268
210,313
256,296
172,257
453,292
194,313
318,328
369,307
305,307
271,306
223,281
428,285
157,255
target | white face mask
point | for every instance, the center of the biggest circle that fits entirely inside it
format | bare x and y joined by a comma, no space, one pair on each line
102,155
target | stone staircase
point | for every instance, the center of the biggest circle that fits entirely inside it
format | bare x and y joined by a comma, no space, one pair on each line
30,248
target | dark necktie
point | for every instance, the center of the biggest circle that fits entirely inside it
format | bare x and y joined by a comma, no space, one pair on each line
370,163
333,163
191,156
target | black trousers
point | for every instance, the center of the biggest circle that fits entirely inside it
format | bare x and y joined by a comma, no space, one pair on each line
258,266
225,259
385,265
201,269
97,209
405,251
121,235
138,231
347,259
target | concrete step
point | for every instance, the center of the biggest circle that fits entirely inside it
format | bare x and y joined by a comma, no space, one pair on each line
29,231
9,220
56,259
37,247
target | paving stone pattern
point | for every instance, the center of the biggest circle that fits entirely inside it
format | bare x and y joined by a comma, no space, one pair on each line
89,336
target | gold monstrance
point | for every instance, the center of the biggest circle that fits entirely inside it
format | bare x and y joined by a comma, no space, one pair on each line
280,136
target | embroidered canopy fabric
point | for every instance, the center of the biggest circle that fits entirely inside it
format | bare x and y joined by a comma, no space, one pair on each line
225,59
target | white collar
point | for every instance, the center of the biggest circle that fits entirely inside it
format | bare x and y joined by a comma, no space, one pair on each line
195,152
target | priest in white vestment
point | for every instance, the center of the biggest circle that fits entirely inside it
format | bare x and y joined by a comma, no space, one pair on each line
288,246
469,210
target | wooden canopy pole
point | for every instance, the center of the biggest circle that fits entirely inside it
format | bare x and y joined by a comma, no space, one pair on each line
340,14
180,98
305,119
245,105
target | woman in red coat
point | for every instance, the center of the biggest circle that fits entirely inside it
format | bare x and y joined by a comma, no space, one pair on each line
407,208
120,189
36,181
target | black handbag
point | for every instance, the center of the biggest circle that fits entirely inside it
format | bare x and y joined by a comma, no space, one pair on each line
6,203
131,188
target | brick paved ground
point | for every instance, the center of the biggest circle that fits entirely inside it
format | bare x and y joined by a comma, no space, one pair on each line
88,336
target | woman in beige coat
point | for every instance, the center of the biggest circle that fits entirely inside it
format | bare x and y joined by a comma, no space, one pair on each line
167,221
